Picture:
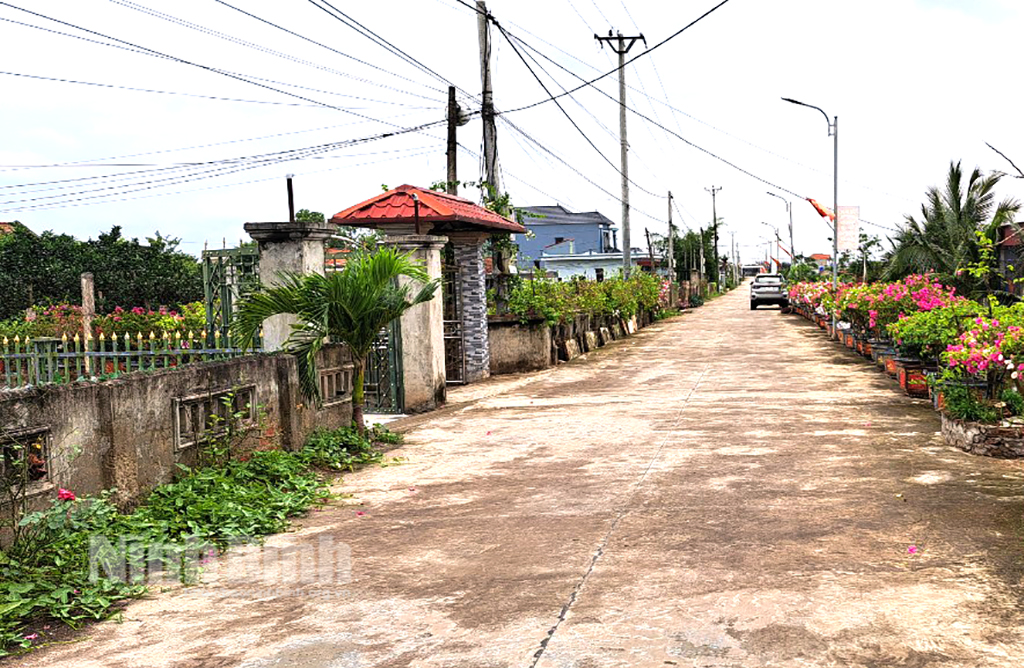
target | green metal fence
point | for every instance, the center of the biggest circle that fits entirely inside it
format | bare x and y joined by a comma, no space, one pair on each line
42,360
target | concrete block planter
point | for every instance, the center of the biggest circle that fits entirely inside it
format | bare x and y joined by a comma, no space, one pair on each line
1003,442
910,374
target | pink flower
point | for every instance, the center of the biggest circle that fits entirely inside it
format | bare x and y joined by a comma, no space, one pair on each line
32,636
912,549
65,495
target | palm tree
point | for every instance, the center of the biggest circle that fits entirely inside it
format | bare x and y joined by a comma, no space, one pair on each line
946,238
350,306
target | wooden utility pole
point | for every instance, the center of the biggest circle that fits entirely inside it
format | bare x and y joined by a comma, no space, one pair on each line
453,122
621,46
487,110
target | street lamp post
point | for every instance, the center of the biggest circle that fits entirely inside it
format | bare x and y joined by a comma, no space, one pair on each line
833,131
789,210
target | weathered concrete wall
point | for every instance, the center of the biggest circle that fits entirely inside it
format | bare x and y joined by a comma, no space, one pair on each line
287,248
517,347
127,433
984,439
422,329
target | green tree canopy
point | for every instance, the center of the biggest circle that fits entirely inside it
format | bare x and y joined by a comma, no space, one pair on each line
47,268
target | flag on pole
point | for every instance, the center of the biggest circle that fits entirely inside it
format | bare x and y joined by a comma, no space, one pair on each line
823,211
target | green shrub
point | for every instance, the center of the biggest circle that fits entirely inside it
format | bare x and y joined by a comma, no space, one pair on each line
962,404
1013,400
345,448
45,574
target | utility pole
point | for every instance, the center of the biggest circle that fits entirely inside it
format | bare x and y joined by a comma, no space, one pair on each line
671,245
732,255
487,111
650,251
453,123
700,263
621,46
714,212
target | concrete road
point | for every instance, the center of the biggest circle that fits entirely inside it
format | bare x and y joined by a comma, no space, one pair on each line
724,489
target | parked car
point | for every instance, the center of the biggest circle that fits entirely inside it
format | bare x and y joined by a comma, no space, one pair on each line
768,289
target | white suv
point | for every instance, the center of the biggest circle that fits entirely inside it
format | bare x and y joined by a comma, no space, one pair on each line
768,289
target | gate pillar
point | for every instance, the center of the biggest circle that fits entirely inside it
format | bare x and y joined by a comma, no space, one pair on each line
287,247
468,251
423,375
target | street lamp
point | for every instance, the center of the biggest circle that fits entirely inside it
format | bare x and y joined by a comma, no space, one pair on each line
833,131
789,210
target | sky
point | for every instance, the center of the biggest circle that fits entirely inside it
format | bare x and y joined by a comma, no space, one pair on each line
915,84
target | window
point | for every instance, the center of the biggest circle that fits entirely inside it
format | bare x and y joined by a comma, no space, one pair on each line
199,417
336,385
25,461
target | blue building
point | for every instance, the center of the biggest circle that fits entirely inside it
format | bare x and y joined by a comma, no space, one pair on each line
557,231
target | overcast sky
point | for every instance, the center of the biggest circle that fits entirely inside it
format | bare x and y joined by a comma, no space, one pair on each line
915,83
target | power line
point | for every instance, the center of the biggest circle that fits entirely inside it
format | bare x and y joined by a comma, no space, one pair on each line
97,162
214,168
151,90
355,25
565,113
159,54
573,169
320,44
180,192
658,124
628,62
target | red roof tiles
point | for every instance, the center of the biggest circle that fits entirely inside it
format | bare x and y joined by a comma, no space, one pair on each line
398,206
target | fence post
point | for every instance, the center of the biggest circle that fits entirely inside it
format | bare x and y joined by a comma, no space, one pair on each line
88,312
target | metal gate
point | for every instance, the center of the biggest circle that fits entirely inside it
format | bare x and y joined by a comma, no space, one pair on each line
454,343
228,273
383,382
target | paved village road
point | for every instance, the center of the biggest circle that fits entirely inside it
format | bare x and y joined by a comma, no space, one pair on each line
723,489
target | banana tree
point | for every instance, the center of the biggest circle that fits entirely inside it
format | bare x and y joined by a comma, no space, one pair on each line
350,306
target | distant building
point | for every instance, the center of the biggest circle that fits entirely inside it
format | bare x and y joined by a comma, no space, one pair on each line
1011,258
597,266
821,260
555,229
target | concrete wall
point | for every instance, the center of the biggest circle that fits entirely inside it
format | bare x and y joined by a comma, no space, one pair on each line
423,369
122,433
516,347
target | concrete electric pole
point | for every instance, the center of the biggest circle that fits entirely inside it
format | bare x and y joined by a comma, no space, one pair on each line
453,122
487,111
714,212
671,245
621,45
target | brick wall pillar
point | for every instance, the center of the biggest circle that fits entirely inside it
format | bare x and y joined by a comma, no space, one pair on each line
468,250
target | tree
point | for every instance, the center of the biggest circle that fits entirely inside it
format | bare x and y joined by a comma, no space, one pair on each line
946,238
350,306
307,216
46,269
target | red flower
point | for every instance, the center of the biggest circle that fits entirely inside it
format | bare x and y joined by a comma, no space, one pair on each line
65,494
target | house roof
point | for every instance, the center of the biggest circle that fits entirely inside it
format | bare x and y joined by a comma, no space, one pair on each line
821,256
435,209
558,214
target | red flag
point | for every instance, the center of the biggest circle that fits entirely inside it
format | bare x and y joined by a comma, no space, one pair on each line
823,211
